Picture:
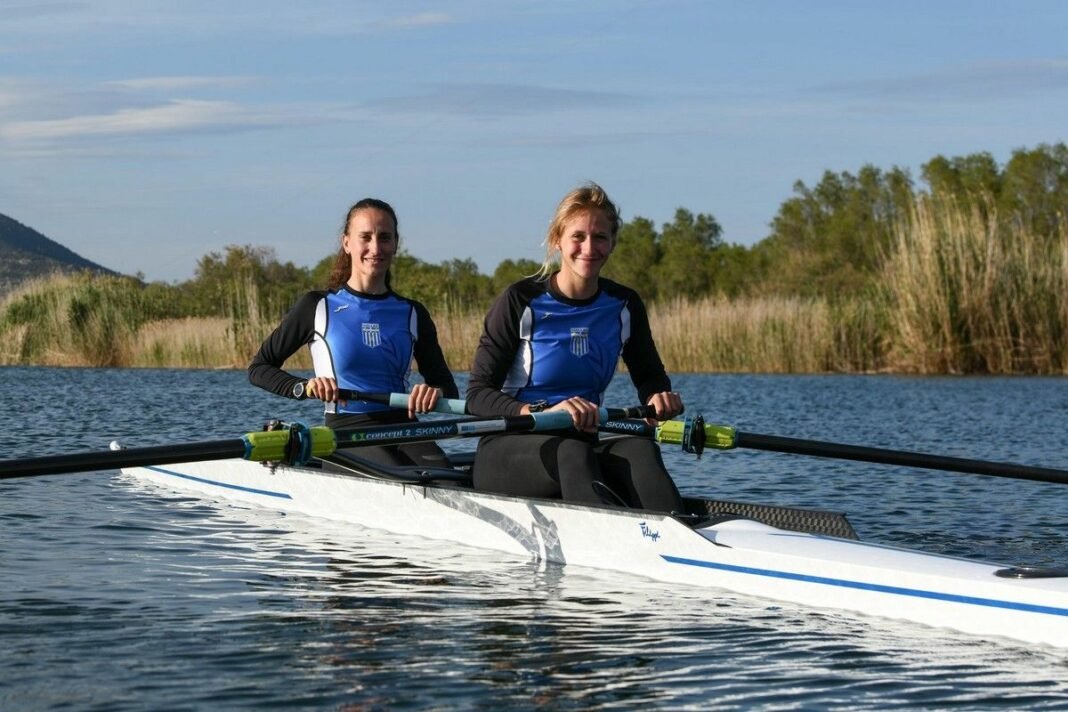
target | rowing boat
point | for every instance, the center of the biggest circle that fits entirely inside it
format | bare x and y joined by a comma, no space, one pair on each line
805,557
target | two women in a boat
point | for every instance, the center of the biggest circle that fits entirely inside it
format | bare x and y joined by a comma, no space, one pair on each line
363,337
551,341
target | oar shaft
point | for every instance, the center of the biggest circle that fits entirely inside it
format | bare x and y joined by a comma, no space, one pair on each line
297,443
724,437
260,446
469,427
816,448
115,459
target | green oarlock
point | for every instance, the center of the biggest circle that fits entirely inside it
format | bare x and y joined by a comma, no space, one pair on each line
271,445
672,432
324,442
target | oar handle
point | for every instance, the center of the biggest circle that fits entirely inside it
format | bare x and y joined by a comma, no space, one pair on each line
452,406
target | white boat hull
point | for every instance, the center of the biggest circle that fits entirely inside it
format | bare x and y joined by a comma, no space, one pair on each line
737,555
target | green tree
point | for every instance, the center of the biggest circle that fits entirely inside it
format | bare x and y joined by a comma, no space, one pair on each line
636,252
963,177
829,239
1035,188
509,271
226,283
686,248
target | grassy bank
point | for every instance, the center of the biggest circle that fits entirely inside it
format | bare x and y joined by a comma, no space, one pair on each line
962,291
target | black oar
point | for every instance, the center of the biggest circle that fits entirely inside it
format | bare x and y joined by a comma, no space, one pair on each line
694,435
298,443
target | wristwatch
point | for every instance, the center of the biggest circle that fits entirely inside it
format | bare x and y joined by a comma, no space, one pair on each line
537,406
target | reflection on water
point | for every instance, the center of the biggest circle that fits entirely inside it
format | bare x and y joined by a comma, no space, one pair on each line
120,595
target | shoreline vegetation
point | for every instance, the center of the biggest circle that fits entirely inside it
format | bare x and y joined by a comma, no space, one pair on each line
862,274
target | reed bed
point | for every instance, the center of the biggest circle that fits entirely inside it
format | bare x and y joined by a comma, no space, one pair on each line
970,293
69,321
962,291
777,335
458,331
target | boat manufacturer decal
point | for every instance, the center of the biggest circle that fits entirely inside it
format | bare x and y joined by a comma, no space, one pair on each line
648,532
431,431
226,485
636,426
874,587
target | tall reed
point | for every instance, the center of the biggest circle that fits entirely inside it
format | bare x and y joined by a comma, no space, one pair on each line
458,331
969,293
70,321
772,335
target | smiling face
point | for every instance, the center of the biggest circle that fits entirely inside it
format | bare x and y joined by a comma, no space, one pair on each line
585,243
371,241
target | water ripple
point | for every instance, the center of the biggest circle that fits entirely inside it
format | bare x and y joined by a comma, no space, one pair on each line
121,596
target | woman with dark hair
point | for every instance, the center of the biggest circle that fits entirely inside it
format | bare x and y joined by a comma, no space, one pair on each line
553,341
363,337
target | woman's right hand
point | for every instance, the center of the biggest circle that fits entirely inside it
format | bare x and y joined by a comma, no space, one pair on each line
323,388
584,414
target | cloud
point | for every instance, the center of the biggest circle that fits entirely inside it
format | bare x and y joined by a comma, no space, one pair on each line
170,84
425,19
180,116
977,81
490,100
35,10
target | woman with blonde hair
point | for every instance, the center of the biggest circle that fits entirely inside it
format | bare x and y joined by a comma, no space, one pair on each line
553,341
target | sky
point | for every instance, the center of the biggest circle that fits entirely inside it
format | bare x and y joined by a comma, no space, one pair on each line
144,135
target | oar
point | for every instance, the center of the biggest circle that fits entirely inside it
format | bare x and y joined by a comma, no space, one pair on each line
453,406
298,443
693,434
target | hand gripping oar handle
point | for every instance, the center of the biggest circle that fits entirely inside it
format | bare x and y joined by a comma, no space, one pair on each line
452,406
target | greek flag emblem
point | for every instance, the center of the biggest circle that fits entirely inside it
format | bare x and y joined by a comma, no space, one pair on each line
580,341
372,335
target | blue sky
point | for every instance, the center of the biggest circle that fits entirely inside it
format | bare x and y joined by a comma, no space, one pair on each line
143,135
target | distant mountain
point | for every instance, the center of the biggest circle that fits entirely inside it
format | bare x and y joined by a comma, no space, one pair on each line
26,253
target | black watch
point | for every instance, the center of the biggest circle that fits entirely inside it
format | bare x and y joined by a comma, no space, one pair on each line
537,406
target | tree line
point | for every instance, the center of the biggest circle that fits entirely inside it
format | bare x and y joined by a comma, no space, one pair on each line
827,240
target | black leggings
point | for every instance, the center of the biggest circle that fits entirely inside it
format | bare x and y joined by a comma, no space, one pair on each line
535,465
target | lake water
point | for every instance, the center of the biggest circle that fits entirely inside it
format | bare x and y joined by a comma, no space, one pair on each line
120,596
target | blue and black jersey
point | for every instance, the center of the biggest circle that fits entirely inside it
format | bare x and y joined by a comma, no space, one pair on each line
539,345
366,342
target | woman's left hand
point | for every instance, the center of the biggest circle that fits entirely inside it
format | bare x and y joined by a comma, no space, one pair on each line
422,399
668,404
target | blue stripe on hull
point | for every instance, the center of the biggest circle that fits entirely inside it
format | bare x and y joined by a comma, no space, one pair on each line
878,588
267,493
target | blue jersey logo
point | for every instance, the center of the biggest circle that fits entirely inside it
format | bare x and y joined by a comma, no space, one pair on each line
580,341
372,335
